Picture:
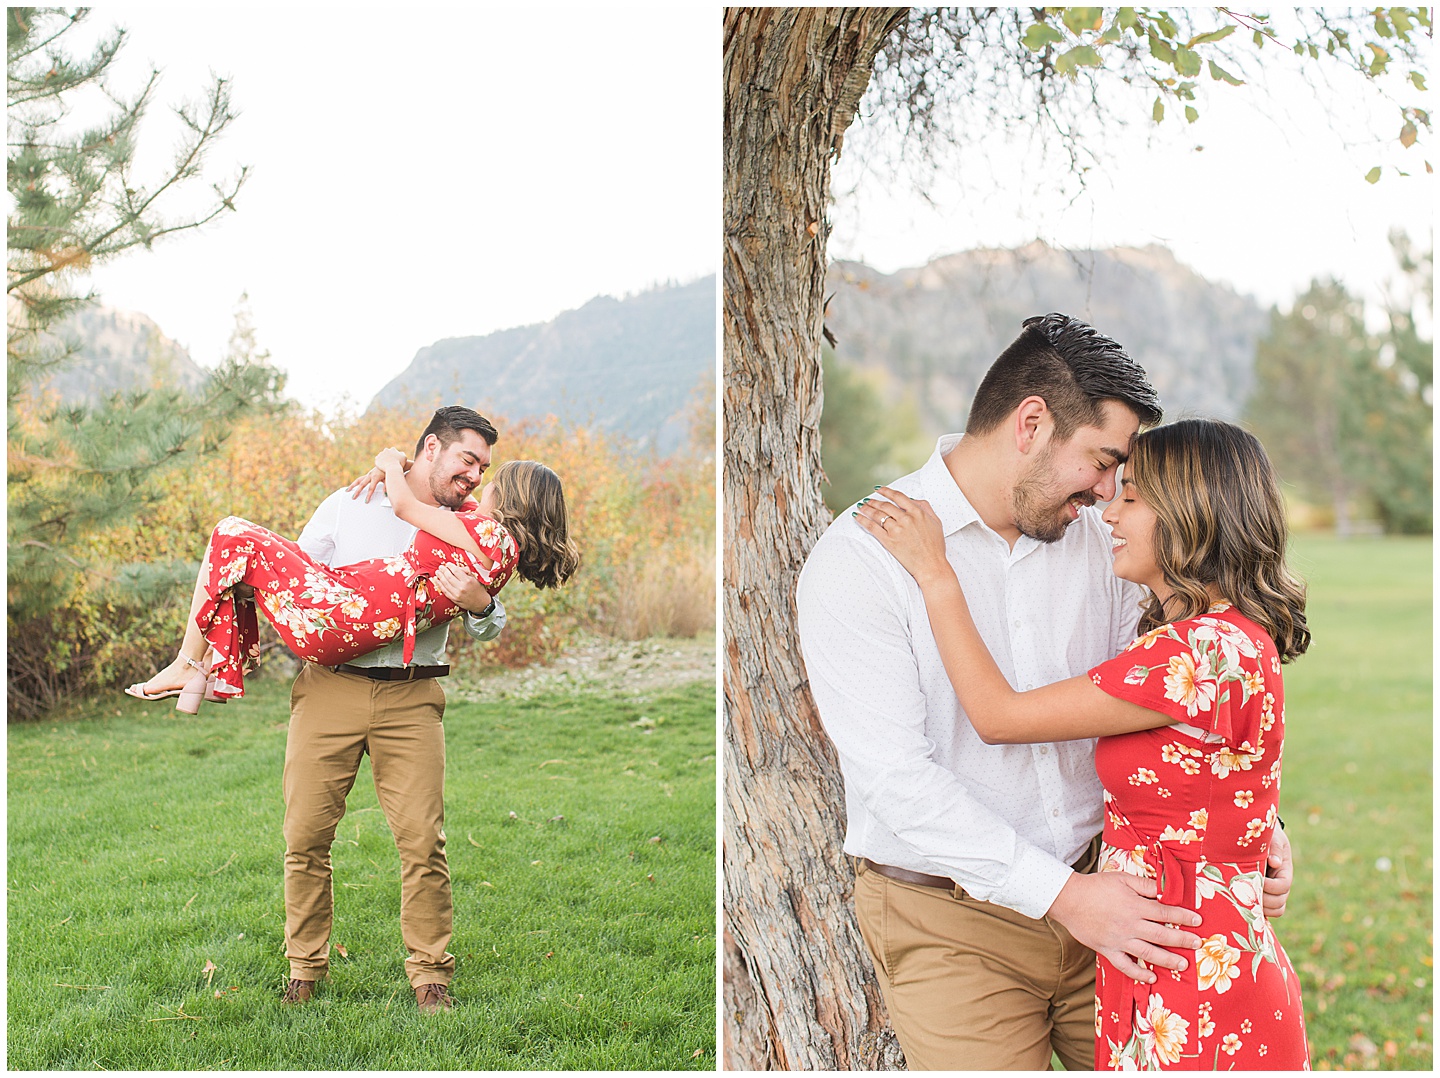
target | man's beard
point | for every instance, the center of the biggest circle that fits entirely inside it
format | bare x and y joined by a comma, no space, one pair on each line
444,492
1036,509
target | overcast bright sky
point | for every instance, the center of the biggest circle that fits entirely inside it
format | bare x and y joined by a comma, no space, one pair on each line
1275,197
421,172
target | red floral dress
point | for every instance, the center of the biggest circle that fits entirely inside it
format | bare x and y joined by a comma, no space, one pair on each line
330,615
1193,806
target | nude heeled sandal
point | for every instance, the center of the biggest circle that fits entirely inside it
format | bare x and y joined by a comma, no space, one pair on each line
196,688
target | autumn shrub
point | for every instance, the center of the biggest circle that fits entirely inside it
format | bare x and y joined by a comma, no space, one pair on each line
644,524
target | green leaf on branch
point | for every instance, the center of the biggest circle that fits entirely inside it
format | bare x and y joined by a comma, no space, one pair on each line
1160,49
1373,176
1407,135
1214,35
1382,27
1382,58
1077,19
1187,61
1219,74
1418,80
1125,18
1158,112
1259,39
1191,114
1080,56
1041,34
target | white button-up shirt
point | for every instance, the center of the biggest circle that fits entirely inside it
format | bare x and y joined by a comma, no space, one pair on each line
345,530
922,791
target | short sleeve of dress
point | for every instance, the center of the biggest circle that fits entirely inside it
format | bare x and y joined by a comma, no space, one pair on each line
1204,672
496,542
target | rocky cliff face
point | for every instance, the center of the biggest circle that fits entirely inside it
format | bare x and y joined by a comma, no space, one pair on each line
930,333
627,366
119,350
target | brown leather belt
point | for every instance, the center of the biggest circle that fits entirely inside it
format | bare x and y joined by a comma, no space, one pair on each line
904,875
392,673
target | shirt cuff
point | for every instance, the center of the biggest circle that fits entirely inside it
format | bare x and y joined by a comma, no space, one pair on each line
1034,883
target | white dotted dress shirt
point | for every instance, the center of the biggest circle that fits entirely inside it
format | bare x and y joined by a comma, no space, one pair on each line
345,530
922,791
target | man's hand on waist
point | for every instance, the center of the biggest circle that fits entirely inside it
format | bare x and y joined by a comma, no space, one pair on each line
1116,914
462,588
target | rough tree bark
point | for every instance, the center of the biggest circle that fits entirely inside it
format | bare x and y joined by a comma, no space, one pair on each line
799,989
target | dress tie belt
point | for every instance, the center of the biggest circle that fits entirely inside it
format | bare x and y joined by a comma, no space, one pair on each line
415,585
1171,861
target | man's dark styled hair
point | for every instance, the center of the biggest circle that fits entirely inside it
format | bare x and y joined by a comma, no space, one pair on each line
447,423
1072,368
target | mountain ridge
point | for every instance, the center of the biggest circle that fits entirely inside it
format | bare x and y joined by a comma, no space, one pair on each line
930,332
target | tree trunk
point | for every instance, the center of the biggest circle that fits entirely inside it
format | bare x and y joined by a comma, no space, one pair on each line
799,990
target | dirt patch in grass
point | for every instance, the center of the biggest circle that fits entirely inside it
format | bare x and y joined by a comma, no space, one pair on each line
600,664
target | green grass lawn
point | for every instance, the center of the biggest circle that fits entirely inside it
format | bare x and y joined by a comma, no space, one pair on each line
1357,804
581,838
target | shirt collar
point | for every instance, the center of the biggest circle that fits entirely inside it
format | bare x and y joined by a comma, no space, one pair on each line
942,492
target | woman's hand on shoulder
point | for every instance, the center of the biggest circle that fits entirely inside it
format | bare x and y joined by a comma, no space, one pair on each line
909,529
367,484
390,458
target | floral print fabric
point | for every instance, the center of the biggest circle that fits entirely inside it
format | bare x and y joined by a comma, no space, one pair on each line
1193,806
331,615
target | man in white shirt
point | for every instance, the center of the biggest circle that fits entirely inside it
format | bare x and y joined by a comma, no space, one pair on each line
971,887
378,705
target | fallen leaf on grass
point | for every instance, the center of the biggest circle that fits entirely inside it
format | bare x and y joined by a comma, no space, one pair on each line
209,971
341,951
697,1053
472,840
486,883
1362,1044
657,840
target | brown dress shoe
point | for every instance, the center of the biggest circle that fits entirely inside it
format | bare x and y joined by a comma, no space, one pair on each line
433,998
298,991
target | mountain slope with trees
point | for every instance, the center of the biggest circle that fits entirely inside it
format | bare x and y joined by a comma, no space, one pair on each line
625,366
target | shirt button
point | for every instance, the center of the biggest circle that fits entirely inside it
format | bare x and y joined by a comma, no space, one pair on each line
1017,623
1044,749
1054,812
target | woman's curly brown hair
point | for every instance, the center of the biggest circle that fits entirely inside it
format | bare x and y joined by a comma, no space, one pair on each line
1219,520
530,502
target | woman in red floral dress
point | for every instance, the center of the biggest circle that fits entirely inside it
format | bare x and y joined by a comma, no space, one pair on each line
330,615
1191,721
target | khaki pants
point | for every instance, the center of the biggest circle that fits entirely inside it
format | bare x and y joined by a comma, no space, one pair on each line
974,986
334,720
